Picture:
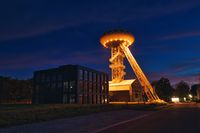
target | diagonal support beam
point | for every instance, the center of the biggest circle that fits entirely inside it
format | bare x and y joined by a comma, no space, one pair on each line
148,89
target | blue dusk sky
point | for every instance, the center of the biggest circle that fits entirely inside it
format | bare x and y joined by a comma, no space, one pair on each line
41,34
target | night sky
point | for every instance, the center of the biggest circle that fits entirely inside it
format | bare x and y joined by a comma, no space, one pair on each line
41,34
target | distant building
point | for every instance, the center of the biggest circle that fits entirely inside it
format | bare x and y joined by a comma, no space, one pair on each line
70,84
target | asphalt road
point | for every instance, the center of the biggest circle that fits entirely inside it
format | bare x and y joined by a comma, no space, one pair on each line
180,118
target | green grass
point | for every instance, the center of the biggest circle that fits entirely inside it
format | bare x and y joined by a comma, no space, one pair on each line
21,114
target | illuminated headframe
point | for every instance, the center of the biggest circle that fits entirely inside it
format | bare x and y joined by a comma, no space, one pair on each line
119,41
112,40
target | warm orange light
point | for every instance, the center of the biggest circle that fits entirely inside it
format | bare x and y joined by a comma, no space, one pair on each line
125,37
119,41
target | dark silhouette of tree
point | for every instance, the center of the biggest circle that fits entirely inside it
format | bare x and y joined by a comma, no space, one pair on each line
163,89
182,90
14,90
194,88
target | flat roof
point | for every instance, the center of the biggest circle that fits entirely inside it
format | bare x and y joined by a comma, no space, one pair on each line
124,82
69,66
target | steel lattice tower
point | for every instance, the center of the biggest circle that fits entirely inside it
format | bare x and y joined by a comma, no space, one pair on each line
119,41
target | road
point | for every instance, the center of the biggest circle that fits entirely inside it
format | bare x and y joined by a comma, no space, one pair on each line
79,124
180,118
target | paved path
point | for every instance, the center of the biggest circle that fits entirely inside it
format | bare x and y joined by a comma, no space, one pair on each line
181,118
82,124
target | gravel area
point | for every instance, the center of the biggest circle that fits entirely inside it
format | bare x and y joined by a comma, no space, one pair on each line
81,124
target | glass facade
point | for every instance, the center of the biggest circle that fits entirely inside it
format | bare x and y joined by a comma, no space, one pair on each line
70,84
93,88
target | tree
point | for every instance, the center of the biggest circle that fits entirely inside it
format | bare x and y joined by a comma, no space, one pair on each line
194,88
182,90
163,88
13,90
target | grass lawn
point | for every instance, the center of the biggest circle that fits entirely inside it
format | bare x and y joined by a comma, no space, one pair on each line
20,114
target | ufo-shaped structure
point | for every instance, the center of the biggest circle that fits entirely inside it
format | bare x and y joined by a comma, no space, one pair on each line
119,41
116,37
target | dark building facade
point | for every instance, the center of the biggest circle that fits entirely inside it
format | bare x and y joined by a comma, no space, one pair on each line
70,84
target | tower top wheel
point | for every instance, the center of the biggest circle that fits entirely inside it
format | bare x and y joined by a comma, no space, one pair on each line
116,37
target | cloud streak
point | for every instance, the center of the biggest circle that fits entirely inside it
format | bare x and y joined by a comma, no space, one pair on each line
188,71
37,18
37,60
180,35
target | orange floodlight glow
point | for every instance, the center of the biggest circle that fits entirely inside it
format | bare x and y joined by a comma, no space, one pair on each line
119,41
117,36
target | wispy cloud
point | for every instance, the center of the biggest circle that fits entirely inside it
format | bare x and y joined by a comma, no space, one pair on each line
37,60
180,35
174,79
188,71
36,18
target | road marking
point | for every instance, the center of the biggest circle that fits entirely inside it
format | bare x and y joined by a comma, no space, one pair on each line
122,122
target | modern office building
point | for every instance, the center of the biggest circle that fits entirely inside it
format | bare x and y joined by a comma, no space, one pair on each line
70,84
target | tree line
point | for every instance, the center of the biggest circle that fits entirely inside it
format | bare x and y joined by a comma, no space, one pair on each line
166,91
20,91
15,90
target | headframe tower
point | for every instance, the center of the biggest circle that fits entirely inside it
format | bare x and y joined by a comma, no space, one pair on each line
119,41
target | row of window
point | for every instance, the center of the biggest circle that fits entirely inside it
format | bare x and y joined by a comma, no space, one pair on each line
83,75
91,76
68,86
85,87
69,98
94,99
46,78
92,87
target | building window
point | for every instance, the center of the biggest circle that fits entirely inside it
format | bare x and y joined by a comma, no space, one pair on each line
43,78
71,86
98,99
94,99
85,87
90,87
103,99
59,77
85,75
48,85
65,86
102,78
53,78
80,99
94,77
98,88
103,88
106,88
59,84
94,88
90,76
81,74
81,86
72,99
65,98
53,85
47,79
98,78
106,79
37,77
